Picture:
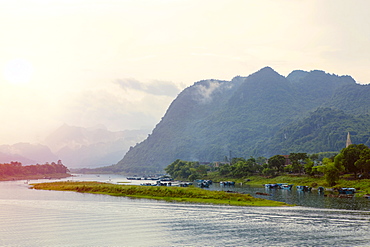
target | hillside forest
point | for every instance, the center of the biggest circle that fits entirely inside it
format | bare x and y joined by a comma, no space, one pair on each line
261,115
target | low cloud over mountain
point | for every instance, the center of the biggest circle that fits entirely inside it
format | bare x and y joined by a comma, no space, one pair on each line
255,115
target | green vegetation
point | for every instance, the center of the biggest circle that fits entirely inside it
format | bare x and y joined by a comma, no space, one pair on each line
179,194
186,170
349,168
240,168
354,159
15,170
324,130
362,186
263,114
290,179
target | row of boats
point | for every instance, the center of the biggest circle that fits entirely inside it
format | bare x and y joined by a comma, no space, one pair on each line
343,192
169,183
347,192
150,178
227,183
203,183
285,186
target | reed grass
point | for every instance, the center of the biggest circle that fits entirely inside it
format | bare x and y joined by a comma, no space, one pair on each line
173,194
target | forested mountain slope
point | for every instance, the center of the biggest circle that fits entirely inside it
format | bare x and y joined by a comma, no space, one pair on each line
322,131
249,115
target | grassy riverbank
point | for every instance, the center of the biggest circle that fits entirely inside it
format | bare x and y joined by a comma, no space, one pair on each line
179,194
362,185
296,180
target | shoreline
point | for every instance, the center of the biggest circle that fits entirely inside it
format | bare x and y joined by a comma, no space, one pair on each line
36,177
164,193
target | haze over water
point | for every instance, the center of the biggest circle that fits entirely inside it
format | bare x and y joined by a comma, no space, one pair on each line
54,218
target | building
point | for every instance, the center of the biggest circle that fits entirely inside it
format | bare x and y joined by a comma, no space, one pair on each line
348,142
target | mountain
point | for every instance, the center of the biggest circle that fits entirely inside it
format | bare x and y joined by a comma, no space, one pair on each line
212,119
321,131
26,153
8,158
352,99
91,147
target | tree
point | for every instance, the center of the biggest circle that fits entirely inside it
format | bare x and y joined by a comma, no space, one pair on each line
269,172
297,160
314,157
261,160
363,163
186,170
178,169
349,156
288,168
236,160
308,167
277,162
241,169
224,170
331,170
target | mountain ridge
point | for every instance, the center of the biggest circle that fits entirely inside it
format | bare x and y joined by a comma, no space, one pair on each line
212,118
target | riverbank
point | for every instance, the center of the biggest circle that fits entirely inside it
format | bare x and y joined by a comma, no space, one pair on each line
35,176
172,194
362,185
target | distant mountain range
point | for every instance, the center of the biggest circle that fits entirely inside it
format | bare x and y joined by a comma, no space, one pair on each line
81,147
260,115
77,147
26,153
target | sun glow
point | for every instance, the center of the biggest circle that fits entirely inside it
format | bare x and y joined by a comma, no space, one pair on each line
18,71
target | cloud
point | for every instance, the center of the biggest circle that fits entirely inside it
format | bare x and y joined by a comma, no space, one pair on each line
155,87
129,104
206,89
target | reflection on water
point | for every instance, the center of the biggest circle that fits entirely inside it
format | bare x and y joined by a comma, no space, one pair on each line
307,199
54,218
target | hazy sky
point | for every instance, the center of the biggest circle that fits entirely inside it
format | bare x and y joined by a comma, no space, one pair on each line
120,63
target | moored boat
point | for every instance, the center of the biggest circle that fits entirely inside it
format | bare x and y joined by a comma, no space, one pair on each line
263,194
286,186
303,188
227,183
320,189
272,186
347,191
203,183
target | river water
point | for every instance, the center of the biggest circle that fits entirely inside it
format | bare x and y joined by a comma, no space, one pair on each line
54,218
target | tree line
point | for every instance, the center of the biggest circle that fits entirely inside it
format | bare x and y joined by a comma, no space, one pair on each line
17,169
354,159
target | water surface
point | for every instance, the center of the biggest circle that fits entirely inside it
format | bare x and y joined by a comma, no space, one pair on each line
55,218
307,199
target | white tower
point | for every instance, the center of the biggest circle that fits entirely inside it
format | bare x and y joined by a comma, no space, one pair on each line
348,142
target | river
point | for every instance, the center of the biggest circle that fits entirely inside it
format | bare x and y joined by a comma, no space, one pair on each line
54,218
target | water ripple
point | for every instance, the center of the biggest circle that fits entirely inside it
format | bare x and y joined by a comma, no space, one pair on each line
52,218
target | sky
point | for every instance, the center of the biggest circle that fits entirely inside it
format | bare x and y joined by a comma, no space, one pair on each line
120,63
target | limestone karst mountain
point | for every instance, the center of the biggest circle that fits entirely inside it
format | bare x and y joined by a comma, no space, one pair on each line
252,115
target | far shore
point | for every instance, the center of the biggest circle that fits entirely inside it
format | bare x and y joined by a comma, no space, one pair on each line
37,176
